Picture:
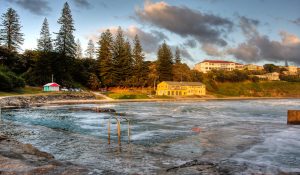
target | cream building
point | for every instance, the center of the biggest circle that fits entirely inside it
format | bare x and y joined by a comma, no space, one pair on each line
253,67
208,65
274,76
173,88
293,70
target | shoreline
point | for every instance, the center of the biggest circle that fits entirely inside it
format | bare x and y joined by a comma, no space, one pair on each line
79,100
163,100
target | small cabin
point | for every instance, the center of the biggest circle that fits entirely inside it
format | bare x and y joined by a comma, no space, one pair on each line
51,87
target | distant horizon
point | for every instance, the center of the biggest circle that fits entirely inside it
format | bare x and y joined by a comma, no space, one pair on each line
239,31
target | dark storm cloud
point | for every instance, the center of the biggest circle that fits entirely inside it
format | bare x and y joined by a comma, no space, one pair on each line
38,7
190,43
159,34
82,3
205,28
186,55
259,48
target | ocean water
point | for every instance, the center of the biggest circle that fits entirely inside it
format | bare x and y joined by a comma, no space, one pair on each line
249,136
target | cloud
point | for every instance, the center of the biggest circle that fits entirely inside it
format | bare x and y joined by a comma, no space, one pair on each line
211,50
38,7
296,21
82,3
185,54
248,26
190,43
289,39
149,40
159,34
260,48
205,28
245,52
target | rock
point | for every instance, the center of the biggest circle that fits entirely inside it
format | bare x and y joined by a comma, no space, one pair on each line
18,158
27,101
29,149
3,137
107,110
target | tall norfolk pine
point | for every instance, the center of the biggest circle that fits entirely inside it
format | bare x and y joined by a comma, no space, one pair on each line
164,63
65,43
122,59
44,42
104,54
10,34
140,72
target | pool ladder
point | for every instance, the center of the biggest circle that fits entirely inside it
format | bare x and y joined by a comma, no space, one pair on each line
118,119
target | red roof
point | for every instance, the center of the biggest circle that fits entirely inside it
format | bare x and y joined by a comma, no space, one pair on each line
217,61
52,84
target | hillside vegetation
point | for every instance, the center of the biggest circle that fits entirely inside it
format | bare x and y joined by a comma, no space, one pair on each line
261,89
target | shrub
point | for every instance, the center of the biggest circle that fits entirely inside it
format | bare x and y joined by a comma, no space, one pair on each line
9,80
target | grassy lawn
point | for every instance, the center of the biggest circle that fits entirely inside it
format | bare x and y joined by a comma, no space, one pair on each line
22,91
28,90
128,93
127,96
261,89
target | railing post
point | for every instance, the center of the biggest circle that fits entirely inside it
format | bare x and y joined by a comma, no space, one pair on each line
108,131
128,132
119,132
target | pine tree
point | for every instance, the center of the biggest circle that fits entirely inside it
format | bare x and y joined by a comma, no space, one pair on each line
105,64
140,68
44,42
127,65
164,63
78,53
11,35
177,56
119,55
65,43
90,51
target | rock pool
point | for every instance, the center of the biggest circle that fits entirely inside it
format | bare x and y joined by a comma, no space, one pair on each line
239,137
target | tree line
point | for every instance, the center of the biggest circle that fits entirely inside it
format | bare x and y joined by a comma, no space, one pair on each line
113,61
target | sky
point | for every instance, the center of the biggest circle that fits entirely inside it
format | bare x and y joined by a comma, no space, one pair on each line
256,31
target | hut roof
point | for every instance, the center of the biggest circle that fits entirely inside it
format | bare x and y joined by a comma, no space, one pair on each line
52,84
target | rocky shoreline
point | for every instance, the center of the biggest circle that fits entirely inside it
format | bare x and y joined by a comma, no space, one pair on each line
19,158
37,100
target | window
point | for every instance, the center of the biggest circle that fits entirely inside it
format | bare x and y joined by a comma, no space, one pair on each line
172,92
168,92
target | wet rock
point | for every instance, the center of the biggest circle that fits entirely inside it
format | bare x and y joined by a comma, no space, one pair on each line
105,110
208,167
18,158
27,101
